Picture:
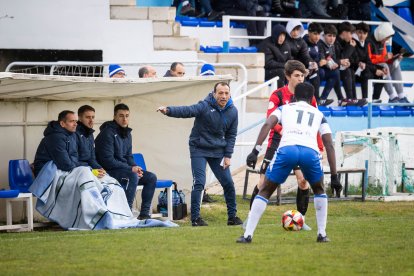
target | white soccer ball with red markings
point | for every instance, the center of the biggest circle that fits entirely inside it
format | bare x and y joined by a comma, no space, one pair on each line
292,220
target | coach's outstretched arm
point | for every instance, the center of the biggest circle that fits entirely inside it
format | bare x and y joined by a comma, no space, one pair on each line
264,131
330,152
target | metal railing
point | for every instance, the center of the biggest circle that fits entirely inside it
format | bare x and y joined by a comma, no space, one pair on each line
269,20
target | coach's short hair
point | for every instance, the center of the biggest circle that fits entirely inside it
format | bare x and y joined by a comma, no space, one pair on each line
292,65
142,71
304,92
62,115
85,108
174,65
120,106
222,83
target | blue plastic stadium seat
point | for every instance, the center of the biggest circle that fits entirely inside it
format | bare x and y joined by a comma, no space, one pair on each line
251,49
202,48
375,111
387,111
234,49
325,110
338,111
20,175
208,24
139,160
405,13
219,24
9,193
233,24
402,111
190,23
213,49
355,111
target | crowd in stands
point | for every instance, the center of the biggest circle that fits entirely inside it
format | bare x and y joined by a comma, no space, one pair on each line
340,56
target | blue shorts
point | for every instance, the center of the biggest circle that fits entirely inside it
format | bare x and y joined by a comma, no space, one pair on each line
288,157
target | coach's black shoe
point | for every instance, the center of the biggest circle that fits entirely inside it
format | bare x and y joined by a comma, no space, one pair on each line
322,239
242,239
234,221
199,222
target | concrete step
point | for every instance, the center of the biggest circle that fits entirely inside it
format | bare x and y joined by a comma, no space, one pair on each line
129,13
177,43
161,28
166,14
122,2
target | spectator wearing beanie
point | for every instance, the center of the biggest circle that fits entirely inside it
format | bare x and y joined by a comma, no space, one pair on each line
116,71
207,70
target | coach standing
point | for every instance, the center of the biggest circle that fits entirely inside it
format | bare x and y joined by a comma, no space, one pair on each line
211,141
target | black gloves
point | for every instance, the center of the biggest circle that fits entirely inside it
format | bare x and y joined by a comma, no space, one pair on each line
378,3
336,185
252,158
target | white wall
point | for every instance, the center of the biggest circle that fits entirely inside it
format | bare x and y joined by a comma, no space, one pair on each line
80,25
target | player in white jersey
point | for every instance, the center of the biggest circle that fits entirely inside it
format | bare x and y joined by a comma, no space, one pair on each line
298,147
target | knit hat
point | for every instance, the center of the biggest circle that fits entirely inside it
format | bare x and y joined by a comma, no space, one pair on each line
114,68
383,31
207,70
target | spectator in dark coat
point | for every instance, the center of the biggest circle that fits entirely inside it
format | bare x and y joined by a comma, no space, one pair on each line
299,50
59,144
345,45
360,9
364,68
212,141
113,147
312,38
276,52
329,62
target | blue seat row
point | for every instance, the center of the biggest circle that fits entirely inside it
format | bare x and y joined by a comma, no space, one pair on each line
189,21
232,49
357,111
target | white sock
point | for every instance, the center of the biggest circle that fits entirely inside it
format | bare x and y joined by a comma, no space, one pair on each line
401,95
258,208
321,206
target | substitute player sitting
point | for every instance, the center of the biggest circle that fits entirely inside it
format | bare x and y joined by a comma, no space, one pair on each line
298,147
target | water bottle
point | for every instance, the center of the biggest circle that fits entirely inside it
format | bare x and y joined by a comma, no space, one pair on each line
182,195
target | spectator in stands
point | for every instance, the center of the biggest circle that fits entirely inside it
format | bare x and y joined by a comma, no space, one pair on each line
360,9
116,71
346,48
329,62
113,147
207,11
314,9
207,70
364,69
212,141
59,144
85,139
379,55
184,7
312,38
176,70
147,72
299,49
286,8
245,8
276,52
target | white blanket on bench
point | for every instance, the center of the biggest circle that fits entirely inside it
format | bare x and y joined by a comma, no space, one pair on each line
79,200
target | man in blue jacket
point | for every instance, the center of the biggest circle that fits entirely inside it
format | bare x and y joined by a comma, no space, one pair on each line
59,144
85,139
212,141
113,147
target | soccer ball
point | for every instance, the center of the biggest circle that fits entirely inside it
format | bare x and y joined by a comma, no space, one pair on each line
292,220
